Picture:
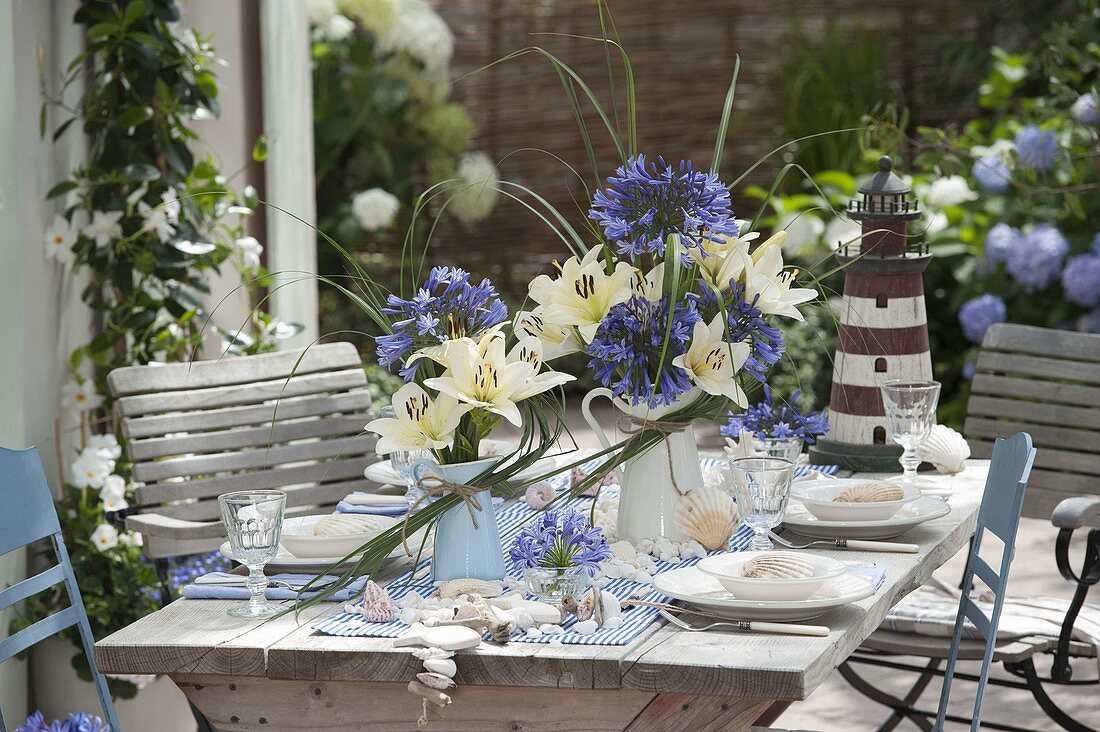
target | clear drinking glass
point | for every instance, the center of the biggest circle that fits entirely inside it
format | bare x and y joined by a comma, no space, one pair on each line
762,486
911,410
402,460
788,448
254,521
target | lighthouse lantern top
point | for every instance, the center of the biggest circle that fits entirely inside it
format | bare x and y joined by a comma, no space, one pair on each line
884,195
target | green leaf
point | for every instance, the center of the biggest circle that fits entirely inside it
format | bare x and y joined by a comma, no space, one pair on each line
134,10
140,172
61,189
134,116
64,126
259,150
102,30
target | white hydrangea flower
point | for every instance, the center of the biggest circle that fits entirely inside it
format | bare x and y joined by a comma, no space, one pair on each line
934,222
375,208
842,230
320,11
804,230
418,31
336,28
104,227
105,537
949,191
79,397
477,193
91,469
106,445
250,251
59,239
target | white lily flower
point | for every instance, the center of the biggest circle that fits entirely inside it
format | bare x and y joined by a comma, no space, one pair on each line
480,374
726,259
712,362
59,240
529,350
420,424
557,340
767,281
583,294
104,227
649,286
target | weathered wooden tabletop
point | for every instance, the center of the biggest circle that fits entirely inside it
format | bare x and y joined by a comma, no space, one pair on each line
279,674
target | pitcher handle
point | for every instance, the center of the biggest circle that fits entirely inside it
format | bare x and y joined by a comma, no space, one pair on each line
586,412
423,468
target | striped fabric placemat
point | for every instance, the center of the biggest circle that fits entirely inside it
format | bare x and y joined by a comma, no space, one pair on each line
510,521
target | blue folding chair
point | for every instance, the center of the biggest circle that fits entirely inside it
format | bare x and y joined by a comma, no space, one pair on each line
28,516
1000,511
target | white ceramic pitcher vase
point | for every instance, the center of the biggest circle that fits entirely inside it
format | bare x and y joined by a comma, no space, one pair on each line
652,483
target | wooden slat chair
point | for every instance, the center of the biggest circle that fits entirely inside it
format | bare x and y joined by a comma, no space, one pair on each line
28,516
291,421
1047,383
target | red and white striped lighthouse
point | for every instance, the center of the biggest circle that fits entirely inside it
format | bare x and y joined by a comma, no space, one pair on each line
883,330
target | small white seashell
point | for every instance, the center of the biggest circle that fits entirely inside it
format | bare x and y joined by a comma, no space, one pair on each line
430,653
409,615
377,605
540,612
550,629
742,447
613,623
534,633
623,550
777,566
340,524
586,627
708,516
612,608
946,449
644,578
458,587
538,495
444,666
555,642
873,491
432,680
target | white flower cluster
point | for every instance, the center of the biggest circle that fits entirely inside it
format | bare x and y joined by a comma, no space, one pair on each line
94,469
106,226
418,31
327,21
476,193
375,209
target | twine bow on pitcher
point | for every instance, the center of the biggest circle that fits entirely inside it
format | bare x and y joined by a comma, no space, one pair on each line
440,487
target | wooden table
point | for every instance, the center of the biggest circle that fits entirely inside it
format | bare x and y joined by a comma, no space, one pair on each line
279,675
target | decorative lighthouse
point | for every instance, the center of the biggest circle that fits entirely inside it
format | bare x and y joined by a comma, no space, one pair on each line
883,332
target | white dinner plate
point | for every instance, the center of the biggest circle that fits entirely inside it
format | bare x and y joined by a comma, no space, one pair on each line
284,560
383,472
798,519
700,590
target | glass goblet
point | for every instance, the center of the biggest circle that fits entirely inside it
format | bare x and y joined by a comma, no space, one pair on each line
911,411
788,448
762,487
401,461
254,521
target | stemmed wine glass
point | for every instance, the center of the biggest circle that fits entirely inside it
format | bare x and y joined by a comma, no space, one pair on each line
762,486
402,461
254,521
911,410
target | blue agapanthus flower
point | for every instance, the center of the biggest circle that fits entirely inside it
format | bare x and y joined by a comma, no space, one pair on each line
1085,110
1096,243
747,323
1035,259
1081,280
560,539
768,420
1036,148
76,722
979,313
992,174
642,205
969,369
447,306
627,349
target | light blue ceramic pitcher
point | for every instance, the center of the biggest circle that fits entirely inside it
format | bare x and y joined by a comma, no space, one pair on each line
461,550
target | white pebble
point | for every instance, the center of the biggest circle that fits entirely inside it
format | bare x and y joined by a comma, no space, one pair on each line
555,641
549,629
643,577
612,623
666,556
411,599
586,627
534,633
408,615
445,666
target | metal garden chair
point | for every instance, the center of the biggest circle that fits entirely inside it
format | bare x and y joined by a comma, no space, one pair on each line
29,516
291,420
1047,383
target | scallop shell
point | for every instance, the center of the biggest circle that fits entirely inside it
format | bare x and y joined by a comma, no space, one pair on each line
467,586
946,449
377,606
538,495
708,516
339,524
777,566
871,492
623,550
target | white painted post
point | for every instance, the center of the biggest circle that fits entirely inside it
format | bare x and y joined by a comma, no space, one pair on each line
288,124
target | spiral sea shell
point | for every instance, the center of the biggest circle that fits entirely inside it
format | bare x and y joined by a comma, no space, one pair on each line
377,606
708,516
348,523
871,492
946,449
777,566
538,495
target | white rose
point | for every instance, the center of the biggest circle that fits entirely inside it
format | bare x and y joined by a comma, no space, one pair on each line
105,537
375,209
949,191
476,192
